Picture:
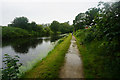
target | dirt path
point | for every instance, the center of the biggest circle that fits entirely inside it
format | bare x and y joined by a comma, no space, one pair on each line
73,64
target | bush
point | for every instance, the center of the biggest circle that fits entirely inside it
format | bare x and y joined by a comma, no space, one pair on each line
11,69
89,37
12,32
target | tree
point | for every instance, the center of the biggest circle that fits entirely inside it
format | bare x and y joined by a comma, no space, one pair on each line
79,21
21,22
47,31
55,26
32,26
90,16
65,27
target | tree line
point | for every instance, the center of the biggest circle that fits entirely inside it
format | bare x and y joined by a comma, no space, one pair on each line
20,27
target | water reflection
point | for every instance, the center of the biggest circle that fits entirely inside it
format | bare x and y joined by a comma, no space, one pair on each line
54,38
23,45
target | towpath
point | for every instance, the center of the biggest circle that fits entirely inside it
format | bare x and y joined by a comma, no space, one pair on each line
73,67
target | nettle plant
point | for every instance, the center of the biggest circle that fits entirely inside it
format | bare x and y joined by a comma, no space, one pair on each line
11,69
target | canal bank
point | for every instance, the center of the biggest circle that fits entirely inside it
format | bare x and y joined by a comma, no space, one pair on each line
49,67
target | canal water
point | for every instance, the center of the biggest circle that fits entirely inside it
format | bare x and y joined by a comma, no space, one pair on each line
30,50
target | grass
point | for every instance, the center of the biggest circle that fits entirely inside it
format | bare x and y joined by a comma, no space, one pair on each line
49,67
89,61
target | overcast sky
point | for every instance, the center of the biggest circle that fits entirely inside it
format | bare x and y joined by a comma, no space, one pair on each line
44,11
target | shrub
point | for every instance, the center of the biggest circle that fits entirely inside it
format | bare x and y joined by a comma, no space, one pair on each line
12,32
11,69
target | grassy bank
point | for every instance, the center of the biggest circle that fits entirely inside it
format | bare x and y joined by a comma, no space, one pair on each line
49,67
95,61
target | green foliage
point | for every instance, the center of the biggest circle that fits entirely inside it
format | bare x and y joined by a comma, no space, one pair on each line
47,31
26,29
32,26
102,41
91,14
55,26
11,69
34,29
79,21
86,35
12,32
86,19
98,64
20,22
61,27
65,28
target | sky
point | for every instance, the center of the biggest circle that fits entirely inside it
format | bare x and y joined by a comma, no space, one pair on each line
44,11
